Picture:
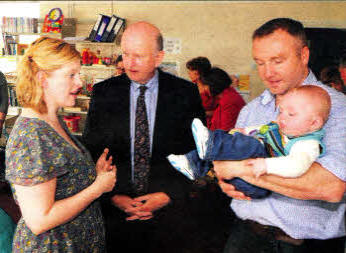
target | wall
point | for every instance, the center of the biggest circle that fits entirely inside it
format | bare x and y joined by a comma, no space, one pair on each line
219,30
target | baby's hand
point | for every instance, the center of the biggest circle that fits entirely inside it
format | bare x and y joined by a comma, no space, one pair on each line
258,165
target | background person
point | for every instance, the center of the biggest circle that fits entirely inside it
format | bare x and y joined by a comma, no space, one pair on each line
3,113
228,101
52,175
154,218
235,81
196,68
342,67
3,100
7,228
331,76
119,66
305,214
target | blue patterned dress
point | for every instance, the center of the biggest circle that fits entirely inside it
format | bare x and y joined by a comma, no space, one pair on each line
36,153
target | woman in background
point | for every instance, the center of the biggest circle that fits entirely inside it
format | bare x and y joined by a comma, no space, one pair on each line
196,68
119,66
229,101
7,225
3,100
51,173
331,76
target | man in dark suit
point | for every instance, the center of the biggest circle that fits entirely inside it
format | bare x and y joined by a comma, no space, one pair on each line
158,219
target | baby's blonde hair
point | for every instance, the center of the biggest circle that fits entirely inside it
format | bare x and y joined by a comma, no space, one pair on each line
317,96
44,54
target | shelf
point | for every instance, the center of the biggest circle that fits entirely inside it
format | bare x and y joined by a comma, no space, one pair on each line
8,117
96,43
76,112
14,110
55,35
83,97
99,66
72,111
8,57
76,133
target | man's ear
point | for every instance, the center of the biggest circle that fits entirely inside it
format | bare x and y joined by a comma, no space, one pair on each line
305,54
41,78
159,58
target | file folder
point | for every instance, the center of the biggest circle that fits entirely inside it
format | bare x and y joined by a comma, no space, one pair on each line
119,24
93,32
109,28
102,27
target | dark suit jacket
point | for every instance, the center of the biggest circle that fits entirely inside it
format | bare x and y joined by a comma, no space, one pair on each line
108,125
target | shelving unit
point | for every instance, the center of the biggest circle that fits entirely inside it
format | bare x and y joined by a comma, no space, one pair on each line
25,38
52,35
97,72
8,62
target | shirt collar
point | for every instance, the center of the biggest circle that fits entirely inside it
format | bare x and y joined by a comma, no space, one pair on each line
151,84
310,79
268,97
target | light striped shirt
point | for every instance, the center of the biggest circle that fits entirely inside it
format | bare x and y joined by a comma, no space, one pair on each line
301,219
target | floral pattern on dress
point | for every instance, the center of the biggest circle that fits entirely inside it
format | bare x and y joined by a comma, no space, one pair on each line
36,153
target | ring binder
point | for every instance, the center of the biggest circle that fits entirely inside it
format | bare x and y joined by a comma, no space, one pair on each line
102,27
93,32
109,28
119,24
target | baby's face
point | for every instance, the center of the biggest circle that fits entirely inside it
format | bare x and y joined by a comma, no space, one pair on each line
296,115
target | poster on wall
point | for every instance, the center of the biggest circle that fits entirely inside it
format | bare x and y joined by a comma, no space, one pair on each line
244,82
171,67
172,45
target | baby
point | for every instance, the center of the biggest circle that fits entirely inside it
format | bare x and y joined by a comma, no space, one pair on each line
285,148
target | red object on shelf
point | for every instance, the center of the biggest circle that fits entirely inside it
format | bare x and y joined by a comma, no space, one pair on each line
72,122
85,56
91,59
95,60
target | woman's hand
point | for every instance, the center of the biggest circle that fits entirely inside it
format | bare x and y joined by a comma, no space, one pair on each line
106,179
106,172
104,164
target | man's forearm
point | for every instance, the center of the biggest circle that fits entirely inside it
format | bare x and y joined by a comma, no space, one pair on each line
317,184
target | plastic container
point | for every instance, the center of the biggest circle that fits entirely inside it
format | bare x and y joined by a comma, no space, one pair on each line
72,123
